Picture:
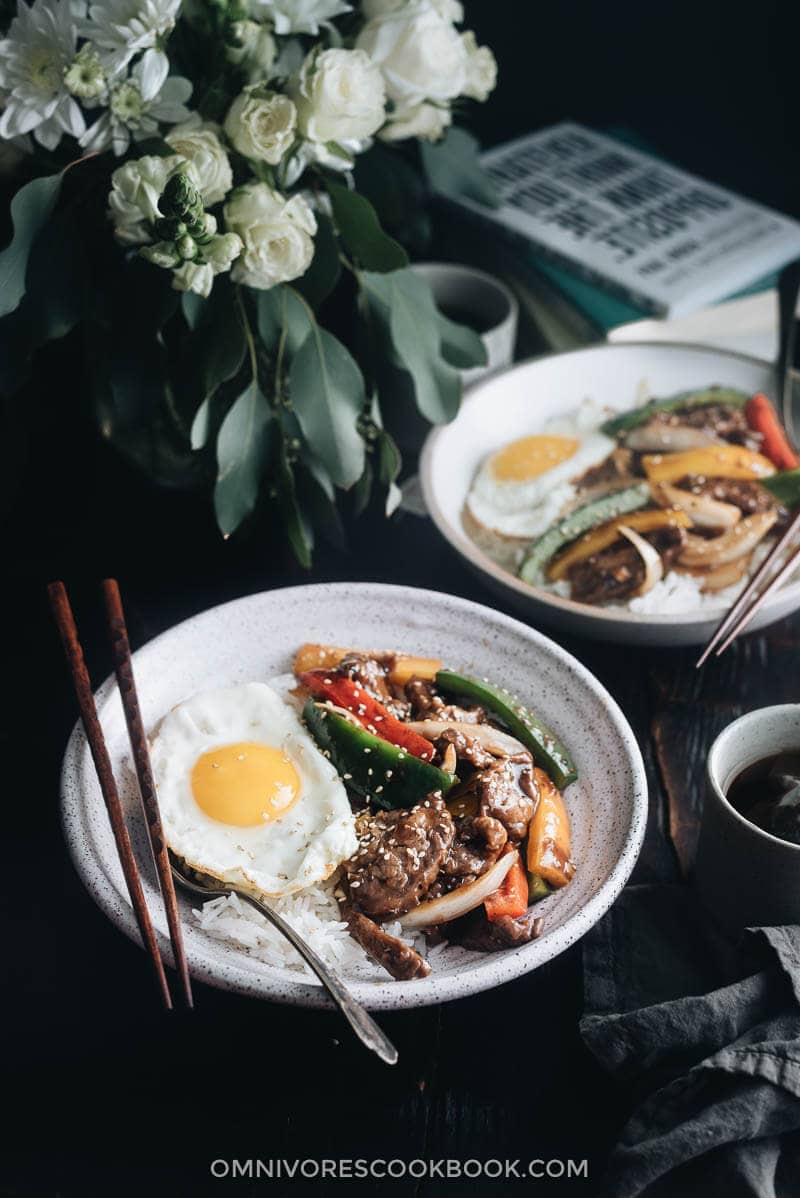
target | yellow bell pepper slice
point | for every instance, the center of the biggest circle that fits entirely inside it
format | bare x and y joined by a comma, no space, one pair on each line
606,534
548,853
713,461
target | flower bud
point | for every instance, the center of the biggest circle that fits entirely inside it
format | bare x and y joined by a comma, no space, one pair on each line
186,247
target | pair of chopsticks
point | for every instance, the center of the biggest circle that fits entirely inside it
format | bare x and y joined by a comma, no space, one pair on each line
123,666
768,577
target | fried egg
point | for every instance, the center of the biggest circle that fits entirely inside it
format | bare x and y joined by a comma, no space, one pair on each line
245,794
521,488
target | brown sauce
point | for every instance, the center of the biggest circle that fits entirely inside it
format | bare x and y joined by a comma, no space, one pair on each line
768,794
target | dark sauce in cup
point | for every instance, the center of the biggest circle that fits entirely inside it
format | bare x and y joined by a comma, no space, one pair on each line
768,794
479,322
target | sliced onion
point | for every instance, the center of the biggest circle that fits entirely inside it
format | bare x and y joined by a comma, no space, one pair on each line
735,543
465,898
498,743
659,437
723,576
653,565
702,510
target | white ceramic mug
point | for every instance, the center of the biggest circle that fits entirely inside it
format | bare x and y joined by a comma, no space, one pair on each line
745,876
490,304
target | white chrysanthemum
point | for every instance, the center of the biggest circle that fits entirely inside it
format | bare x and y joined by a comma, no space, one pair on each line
277,234
298,16
34,58
198,142
136,188
129,116
123,28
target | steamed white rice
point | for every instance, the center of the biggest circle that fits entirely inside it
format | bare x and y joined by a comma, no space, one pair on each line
314,915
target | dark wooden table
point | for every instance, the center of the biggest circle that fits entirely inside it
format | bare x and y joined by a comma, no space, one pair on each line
107,1095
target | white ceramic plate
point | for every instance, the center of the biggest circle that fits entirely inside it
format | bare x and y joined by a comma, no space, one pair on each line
255,638
519,402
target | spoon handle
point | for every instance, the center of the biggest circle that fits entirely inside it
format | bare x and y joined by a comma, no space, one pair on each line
360,1020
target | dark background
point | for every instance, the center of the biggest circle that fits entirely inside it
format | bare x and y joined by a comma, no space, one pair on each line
104,1095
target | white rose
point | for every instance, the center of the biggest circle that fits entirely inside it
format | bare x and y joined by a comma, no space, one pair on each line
261,124
298,16
198,142
253,48
340,96
420,53
136,188
422,120
277,235
481,68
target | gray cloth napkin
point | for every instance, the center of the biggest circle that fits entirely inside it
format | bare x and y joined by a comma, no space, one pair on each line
706,1036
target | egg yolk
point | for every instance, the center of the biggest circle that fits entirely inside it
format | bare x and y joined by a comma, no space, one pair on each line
531,456
245,784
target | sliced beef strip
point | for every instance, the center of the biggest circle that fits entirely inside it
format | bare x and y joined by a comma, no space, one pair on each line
476,932
729,424
618,571
478,843
618,467
402,962
467,749
399,856
371,673
427,704
501,796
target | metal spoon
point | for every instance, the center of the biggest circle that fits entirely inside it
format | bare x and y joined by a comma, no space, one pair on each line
360,1021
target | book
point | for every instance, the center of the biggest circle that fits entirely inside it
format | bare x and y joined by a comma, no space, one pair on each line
623,234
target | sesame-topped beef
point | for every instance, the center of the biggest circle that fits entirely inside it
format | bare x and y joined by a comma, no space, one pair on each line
508,793
399,857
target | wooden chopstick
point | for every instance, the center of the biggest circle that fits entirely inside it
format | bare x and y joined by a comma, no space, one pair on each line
123,667
786,569
65,622
747,604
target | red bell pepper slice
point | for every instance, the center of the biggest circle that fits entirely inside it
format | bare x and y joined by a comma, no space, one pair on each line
351,696
511,897
762,417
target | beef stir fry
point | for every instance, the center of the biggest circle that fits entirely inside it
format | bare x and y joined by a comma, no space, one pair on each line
461,823
695,484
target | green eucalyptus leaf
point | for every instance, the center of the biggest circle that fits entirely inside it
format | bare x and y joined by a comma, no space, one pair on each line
454,169
403,302
278,309
362,491
298,529
361,232
323,273
389,463
242,446
462,347
327,393
31,208
192,306
317,497
215,351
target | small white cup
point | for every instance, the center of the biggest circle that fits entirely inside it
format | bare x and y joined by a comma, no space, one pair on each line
489,302
745,876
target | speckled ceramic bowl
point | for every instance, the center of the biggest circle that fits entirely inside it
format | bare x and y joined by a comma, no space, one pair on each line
521,401
255,638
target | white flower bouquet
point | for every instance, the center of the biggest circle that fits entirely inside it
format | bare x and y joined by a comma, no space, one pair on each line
220,194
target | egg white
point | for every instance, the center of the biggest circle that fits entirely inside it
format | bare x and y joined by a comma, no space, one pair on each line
525,508
281,856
